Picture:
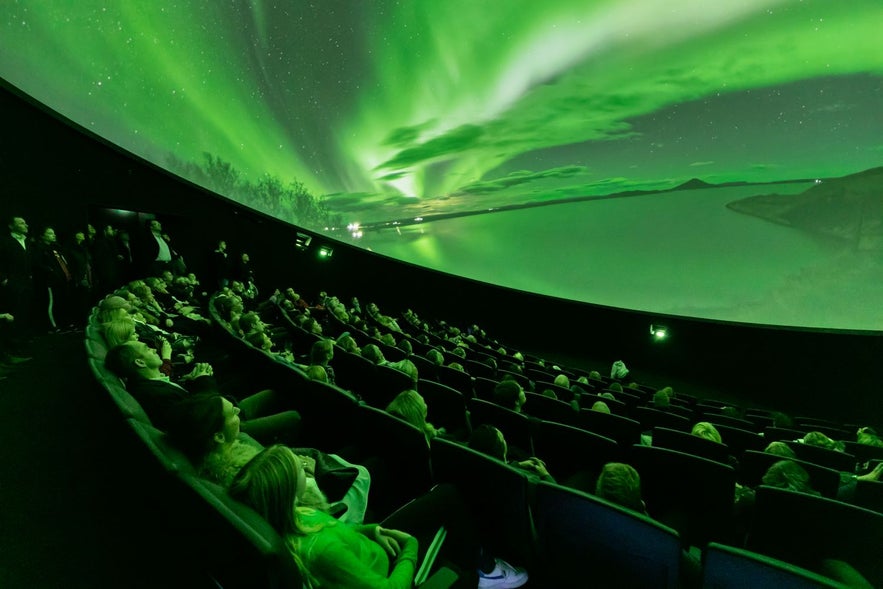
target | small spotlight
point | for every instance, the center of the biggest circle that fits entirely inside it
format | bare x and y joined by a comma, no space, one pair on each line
325,252
302,241
658,331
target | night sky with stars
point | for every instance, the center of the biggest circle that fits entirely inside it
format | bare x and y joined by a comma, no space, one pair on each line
425,98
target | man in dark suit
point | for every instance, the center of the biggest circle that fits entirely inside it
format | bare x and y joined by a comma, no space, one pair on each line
161,397
16,281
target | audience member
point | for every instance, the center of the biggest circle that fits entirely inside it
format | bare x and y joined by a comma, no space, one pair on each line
411,407
509,394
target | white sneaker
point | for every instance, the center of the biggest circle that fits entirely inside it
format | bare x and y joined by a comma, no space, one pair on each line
504,576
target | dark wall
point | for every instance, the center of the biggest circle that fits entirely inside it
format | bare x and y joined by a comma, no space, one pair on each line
56,173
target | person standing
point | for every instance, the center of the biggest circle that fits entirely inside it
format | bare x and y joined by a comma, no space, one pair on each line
53,278
16,282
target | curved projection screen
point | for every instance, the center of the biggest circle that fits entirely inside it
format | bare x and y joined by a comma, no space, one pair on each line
708,158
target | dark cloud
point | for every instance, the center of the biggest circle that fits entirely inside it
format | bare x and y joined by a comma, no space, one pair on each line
521,177
460,139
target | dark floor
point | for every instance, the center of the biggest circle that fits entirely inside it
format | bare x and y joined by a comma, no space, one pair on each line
76,509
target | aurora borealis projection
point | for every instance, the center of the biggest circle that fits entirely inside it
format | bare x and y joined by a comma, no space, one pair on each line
387,108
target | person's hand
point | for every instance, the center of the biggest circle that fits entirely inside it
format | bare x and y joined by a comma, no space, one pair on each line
391,540
536,465
165,349
309,465
874,475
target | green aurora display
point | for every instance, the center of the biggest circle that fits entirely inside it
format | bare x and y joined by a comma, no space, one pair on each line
426,98
344,111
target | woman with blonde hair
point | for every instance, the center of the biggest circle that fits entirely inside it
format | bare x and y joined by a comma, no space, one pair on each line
409,406
333,554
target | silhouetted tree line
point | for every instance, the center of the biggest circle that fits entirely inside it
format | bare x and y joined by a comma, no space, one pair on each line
289,201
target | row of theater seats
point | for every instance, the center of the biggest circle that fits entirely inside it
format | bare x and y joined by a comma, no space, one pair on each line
561,532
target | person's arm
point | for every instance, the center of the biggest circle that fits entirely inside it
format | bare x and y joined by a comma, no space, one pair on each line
335,564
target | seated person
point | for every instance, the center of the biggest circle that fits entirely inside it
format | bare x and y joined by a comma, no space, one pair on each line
408,368
334,554
348,343
206,428
409,406
139,366
489,440
262,341
621,484
704,429
372,352
317,373
822,441
600,406
509,394
780,449
321,354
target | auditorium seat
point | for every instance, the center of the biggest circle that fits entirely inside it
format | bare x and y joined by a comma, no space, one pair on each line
236,546
573,456
650,418
691,494
728,567
822,456
622,429
586,400
397,455
447,407
863,452
804,530
753,465
664,437
550,409
515,426
455,378
869,494
498,497
740,440
585,538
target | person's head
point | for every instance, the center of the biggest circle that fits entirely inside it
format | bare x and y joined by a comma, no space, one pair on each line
435,357
600,406
868,436
388,339
787,474
489,440
132,359
203,424
408,368
549,393
594,374
457,366
322,352
782,420
618,370
316,372
373,353
608,396
780,449
621,484
406,347
119,331
615,387
112,308
109,231
271,483
703,429
562,381
459,352
48,236
222,246
410,406
509,394
245,259
662,398
348,343
154,226
260,339
79,238
821,440
18,225
91,232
